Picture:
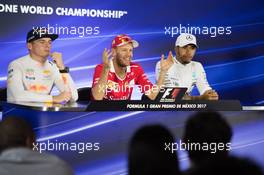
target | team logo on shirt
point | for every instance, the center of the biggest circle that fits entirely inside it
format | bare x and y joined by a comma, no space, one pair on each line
46,75
29,74
38,88
30,77
46,72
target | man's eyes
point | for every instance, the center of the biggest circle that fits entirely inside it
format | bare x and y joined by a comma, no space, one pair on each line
43,42
126,50
191,47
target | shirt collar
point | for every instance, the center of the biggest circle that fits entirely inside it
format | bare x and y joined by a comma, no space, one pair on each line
36,62
14,153
179,63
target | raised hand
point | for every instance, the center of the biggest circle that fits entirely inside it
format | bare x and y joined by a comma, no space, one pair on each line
57,59
166,64
106,54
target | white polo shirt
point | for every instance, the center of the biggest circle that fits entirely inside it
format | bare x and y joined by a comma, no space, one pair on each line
30,81
188,75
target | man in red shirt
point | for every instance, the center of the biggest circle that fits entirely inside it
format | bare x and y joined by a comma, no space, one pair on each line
114,78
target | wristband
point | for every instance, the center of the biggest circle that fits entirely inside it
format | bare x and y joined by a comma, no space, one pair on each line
65,70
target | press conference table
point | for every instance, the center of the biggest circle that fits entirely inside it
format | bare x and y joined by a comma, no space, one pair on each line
45,114
133,105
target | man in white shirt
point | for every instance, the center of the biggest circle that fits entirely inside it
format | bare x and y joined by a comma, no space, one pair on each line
187,73
32,77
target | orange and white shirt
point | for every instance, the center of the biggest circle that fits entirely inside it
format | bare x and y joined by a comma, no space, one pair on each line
30,81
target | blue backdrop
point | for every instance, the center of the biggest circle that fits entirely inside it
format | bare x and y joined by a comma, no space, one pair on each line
231,48
229,33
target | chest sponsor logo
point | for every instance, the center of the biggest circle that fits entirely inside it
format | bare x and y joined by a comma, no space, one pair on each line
29,72
30,77
38,88
46,75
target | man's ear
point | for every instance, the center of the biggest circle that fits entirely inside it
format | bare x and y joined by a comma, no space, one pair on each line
29,46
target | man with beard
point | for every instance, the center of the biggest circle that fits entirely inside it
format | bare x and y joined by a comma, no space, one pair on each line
187,73
114,79
32,77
